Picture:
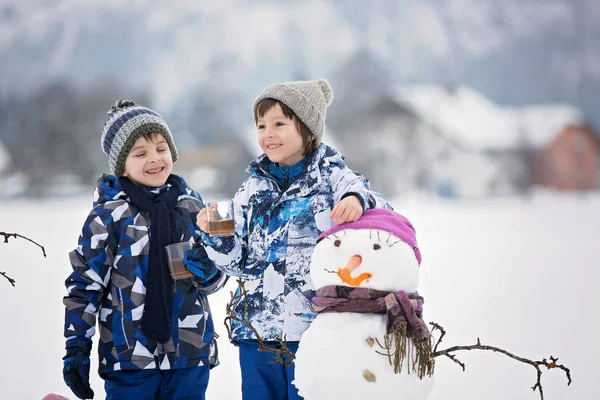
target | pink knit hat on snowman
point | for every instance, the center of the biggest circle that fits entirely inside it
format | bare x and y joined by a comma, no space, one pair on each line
53,396
386,220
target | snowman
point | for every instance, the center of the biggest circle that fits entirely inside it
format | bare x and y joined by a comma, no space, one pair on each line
369,340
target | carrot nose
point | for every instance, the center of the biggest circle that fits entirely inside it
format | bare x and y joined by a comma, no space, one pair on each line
344,273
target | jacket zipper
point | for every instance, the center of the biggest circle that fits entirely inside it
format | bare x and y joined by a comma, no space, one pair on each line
281,193
283,189
122,307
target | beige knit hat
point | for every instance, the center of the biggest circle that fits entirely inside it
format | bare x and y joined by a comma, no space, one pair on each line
307,99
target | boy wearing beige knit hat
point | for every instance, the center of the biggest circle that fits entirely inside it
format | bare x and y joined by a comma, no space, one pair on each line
297,189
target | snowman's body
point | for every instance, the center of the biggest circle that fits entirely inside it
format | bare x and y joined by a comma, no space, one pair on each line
338,354
334,355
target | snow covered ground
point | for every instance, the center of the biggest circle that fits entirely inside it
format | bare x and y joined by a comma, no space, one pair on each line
518,274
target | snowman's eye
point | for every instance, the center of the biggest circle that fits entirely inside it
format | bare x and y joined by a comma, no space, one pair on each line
376,246
337,243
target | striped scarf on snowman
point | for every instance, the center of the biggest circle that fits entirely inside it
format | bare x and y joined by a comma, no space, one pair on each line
403,311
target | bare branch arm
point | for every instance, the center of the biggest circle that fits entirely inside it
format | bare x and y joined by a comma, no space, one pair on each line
448,352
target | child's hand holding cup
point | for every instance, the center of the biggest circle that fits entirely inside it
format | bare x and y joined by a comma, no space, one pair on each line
175,256
216,218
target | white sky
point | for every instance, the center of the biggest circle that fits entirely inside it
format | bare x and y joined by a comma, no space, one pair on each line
521,275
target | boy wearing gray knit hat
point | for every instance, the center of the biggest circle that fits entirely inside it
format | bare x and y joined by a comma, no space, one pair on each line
154,320
126,123
297,189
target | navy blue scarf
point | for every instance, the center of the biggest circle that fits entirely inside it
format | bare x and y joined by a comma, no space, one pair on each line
158,309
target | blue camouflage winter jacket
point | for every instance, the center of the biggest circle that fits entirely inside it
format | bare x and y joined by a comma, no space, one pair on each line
276,231
109,270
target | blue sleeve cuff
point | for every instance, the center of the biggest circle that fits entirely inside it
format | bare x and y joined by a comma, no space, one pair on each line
207,239
362,201
197,262
78,343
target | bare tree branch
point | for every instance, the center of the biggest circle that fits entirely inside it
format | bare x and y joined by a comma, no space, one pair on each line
283,354
16,235
10,280
448,352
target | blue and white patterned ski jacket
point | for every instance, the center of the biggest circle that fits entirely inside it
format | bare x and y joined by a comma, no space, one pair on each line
276,231
109,270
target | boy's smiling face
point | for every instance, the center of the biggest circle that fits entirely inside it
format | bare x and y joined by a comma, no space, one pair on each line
149,162
279,138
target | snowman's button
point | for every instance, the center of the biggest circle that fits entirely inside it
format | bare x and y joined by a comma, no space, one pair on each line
369,376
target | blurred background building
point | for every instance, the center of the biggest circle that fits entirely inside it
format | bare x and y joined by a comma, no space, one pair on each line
457,99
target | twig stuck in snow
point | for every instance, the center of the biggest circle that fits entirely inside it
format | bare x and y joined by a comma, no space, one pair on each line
283,354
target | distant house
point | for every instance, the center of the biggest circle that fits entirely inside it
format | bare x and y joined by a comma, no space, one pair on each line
421,137
453,141
415,138
565,150
549,146
479,158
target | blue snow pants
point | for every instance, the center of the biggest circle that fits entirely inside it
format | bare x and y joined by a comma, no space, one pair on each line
262,377
155,384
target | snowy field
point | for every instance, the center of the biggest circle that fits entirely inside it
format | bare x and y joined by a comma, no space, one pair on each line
521,275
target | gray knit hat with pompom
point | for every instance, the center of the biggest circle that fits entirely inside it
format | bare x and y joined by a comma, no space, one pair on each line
307,99
125,124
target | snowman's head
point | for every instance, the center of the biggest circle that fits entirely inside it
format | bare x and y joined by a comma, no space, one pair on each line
379,251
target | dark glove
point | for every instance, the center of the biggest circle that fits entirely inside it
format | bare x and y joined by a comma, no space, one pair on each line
197,262
76,369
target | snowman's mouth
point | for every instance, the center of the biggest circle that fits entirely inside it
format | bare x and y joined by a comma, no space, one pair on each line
344,273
